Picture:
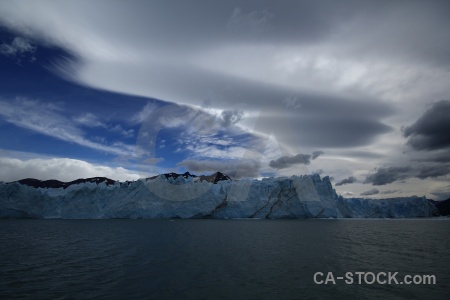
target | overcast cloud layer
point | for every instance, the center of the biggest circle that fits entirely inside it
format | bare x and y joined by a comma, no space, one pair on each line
358,89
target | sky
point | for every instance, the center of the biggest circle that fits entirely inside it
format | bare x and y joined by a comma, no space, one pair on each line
355,90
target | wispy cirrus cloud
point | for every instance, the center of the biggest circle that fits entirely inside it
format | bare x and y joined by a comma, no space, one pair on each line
18,48
49,120
144,113
89,120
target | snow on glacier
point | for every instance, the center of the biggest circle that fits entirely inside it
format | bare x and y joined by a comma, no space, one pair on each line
308,196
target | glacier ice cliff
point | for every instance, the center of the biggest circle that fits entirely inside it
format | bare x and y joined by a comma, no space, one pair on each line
188,196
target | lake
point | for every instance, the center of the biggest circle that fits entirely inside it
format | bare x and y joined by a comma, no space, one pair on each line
223,259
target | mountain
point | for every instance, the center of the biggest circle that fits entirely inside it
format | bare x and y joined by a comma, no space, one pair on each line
442,206
55,184
185,195
214,178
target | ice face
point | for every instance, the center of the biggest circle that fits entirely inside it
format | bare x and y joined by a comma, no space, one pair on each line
196,197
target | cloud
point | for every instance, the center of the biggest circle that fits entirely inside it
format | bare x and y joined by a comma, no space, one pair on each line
143,114
18,47
431,130
348,180
288,161
292,103
49,120
347,193
256,21
198,134
63,169
127,133
316,154
89,120
386,175
370,192
441,193
318,172
383,176
92,121
435,170
389,192
153,160
437,156
314,75
231,117
234,168
150,55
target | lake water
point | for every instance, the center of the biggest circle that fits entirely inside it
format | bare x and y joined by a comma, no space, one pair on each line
220,259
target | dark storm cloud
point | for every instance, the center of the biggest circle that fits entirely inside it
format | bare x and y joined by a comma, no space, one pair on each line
432,130
386,175
288,161
341,130
435,170
348,180
435,156
234,169
316,154
370,192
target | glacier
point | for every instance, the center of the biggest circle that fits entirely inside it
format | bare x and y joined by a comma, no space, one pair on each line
189,196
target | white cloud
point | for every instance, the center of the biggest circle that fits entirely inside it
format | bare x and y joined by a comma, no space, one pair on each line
128,133
18,46
63,169
89,120
49,120
143,114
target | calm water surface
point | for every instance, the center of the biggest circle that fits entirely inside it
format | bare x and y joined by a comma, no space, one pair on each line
219,259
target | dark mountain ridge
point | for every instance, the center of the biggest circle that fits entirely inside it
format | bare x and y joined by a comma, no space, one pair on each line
53,183
443,206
